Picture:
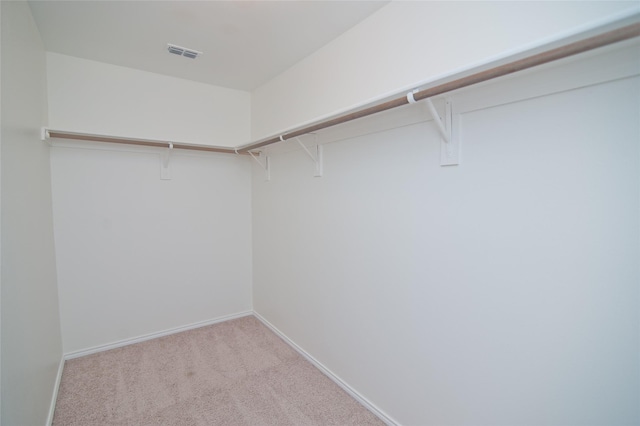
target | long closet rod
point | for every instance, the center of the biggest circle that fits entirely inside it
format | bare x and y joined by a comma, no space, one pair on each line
600,40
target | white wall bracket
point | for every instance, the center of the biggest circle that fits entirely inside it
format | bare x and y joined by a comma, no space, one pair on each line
444,126
44,133
316,156
165,163
264,164
450,142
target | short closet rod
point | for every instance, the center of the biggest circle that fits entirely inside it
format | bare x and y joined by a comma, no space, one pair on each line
140,142
601,40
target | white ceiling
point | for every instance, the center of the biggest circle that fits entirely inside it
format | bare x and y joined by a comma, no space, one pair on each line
245,43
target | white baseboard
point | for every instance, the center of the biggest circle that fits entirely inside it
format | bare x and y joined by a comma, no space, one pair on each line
133,340
361,399
54,396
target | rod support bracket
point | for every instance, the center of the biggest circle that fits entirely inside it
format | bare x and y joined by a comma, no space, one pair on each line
450,147
165,166
446,124
316,156
266,165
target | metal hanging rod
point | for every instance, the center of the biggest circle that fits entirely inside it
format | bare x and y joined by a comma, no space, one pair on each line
601,40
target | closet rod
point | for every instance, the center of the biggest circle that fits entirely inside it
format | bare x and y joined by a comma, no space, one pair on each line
601,40
141,142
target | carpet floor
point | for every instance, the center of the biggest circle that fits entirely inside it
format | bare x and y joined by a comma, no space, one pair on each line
233,373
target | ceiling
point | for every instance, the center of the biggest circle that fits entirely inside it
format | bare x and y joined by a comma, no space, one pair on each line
245,43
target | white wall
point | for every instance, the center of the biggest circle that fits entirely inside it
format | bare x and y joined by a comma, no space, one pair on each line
31,342
140,255
406,43
93,97
503,291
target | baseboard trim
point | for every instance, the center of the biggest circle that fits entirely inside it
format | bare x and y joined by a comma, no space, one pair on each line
54,396
361,399
150,336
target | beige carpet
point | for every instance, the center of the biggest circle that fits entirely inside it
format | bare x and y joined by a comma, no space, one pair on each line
233,373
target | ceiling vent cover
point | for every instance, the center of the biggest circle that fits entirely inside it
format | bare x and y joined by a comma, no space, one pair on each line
183,51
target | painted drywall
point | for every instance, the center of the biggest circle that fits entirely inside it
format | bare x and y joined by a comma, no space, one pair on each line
500,291
406,43
31,341
139,255
93,97
0,219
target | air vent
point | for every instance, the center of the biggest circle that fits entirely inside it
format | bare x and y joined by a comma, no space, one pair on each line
190,54
182,51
